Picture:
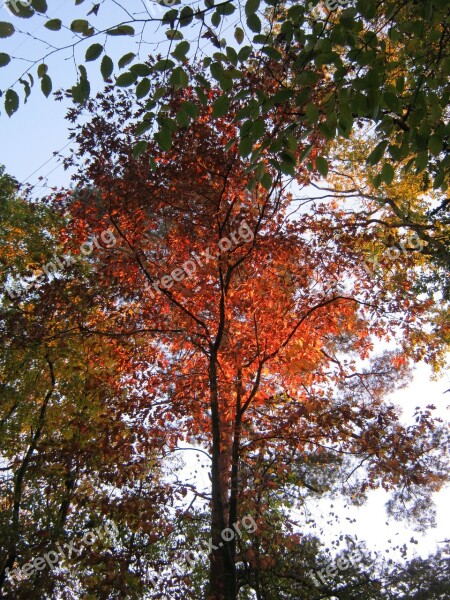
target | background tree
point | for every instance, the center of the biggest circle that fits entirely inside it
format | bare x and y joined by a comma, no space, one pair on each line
67,423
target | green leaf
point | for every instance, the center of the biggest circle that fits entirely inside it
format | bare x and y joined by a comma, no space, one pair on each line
6,30
53,24
220,106
203,98
46,85
83,72
27,89
81,91
392,101
395,152
19,9
164,139
126,59
191,109
377,153
164,65
322,166
106,67
254,23
143,88
239,35
251,6
232,55
159,93
271,52
80,26
42,70
143,127
287,164
140,69
11,102
305,152
93,52
170,17
126,79
421,161
439,180
435,144
257,129
215,19
244,53
121,30
225,84
312,113
252,184
266,181
387,173
174,34
181,50
245,146
281,96
183,118
186,16
179,78
5,59
216,70
226,9
39,6
400,84
445,66
140,148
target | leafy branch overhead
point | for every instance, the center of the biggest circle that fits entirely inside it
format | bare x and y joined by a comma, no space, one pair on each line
380,65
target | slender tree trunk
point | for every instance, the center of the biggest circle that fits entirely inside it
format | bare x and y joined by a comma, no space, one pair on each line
19,481
222,579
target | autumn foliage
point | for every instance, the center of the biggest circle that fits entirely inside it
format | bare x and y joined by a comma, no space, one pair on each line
271,355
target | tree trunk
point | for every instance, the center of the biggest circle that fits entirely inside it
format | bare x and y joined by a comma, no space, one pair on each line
222,578
19,479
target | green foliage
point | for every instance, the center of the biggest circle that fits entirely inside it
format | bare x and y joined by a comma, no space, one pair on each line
53,24
367,63
11,102
6,29
5,59
93,52
106,67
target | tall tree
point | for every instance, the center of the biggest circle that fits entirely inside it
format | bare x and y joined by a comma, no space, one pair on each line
260,318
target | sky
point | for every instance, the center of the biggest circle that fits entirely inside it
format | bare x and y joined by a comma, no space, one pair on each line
31,136
371,523
28,142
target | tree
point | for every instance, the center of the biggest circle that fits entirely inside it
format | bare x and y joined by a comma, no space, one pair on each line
402,218
260,327
421,579
66,423
336,64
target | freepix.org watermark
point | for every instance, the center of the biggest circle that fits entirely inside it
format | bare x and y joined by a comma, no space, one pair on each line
52,558
393,252
16,287
190,557
330,5
189,267
13,6
353,557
